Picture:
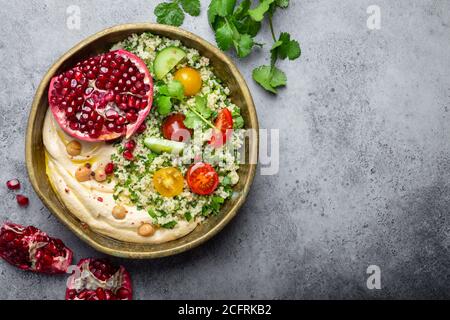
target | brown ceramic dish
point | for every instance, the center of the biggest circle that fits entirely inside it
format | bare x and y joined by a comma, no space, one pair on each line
99,43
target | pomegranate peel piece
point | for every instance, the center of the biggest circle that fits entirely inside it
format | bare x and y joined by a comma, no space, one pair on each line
98,279
103,97
29,248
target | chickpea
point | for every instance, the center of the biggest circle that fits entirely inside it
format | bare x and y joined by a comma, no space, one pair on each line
83,173
100,174
146,230
119,212
73,148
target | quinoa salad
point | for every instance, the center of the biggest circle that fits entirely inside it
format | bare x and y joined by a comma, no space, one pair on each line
134,178
153,147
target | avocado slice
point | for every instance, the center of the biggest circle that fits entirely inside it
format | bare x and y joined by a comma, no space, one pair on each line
166,60
163,145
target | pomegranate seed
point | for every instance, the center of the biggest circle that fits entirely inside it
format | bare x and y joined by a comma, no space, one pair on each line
142,128
132,117
13,184
127,154
22,200
109,168
120,121
130,145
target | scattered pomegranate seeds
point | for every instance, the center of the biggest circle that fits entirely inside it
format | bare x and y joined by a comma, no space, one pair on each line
13,184
22,200
109,168
127,154
130,145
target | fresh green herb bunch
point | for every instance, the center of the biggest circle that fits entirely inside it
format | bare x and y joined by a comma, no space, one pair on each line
172,13
236,26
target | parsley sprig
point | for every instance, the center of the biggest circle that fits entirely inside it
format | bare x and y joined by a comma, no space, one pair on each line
172,12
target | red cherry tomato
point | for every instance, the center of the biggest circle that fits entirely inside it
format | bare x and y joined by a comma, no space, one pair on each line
173,128
202,178
224,122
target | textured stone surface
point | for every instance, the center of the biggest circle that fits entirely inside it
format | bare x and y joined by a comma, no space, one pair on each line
364,165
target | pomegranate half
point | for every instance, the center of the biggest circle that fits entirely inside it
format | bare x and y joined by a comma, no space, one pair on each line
102,98
98,279
29,248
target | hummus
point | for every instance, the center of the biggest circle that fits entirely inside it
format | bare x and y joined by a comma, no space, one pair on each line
150,194
92,202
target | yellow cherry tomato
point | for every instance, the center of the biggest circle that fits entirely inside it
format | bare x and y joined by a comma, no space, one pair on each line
168,182
190,79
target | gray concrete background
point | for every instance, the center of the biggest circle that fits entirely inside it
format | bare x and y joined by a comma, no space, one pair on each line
365,155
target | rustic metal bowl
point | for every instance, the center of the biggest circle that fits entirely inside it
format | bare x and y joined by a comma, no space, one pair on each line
99,43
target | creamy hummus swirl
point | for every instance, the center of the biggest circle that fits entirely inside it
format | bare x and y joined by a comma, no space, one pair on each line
92,202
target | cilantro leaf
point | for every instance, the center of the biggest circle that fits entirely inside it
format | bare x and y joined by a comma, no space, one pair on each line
202,107
248,26
169,13
278,78
269,78
212,13
197,117
242,9
282,3
238,122
169,225
243,22
164,104
224,36
175,89
288,48
192,120
244,45
224,7
219,8
188,216
259,11
192,7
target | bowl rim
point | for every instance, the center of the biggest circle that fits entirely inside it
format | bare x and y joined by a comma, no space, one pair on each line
61,214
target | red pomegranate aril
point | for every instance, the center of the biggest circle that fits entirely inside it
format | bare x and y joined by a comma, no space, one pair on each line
111,114
74,125
70,111
13,184
139,85
109,168
94,133
128,155
28,248
111,126
120,121
130,145
118,129
22,200
84,118
132,117
142,128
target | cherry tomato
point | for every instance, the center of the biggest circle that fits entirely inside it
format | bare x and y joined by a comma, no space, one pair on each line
224,122
168,182
173,128
202,178
190,79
